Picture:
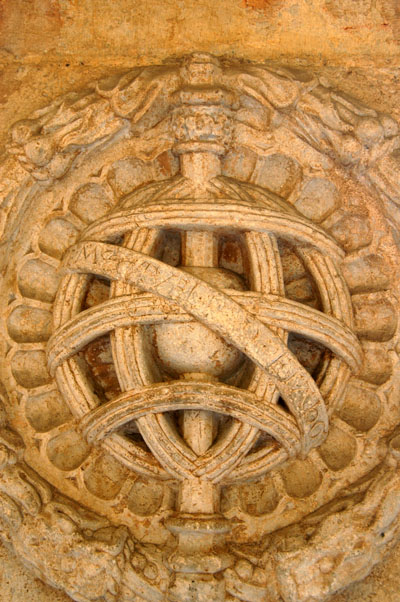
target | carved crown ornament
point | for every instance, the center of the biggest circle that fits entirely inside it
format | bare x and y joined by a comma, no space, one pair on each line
199,368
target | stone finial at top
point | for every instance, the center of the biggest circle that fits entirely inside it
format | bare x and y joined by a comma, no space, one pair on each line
203,108
201,69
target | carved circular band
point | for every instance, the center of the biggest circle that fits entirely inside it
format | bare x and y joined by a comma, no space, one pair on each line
162,397
347,346
128,351
145,308
219,312
211,216
131,363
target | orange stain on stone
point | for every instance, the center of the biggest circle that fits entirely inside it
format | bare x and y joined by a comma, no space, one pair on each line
38,20
260,4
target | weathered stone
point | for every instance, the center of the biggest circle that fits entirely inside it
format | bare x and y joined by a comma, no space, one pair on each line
278,173
377,365
366,273
301,479
339,449
318,199
90,203
29,324
57,236
375,317
38,280
178,322
352,232
361,407
67,451
29,368
46,411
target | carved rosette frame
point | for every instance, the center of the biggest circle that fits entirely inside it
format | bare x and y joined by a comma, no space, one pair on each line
199,358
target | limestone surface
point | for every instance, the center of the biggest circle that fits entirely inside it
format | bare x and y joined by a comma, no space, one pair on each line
186,364
199,358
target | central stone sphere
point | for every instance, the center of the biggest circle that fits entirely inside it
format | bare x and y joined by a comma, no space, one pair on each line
193,348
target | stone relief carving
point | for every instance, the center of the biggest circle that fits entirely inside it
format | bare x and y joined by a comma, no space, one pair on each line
199,353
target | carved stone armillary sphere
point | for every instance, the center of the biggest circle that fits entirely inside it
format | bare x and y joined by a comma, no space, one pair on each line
200,325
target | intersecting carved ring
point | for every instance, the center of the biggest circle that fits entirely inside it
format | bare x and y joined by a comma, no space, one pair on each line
240,318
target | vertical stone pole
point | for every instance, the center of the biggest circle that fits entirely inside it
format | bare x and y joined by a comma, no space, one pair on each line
199,559
198,250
